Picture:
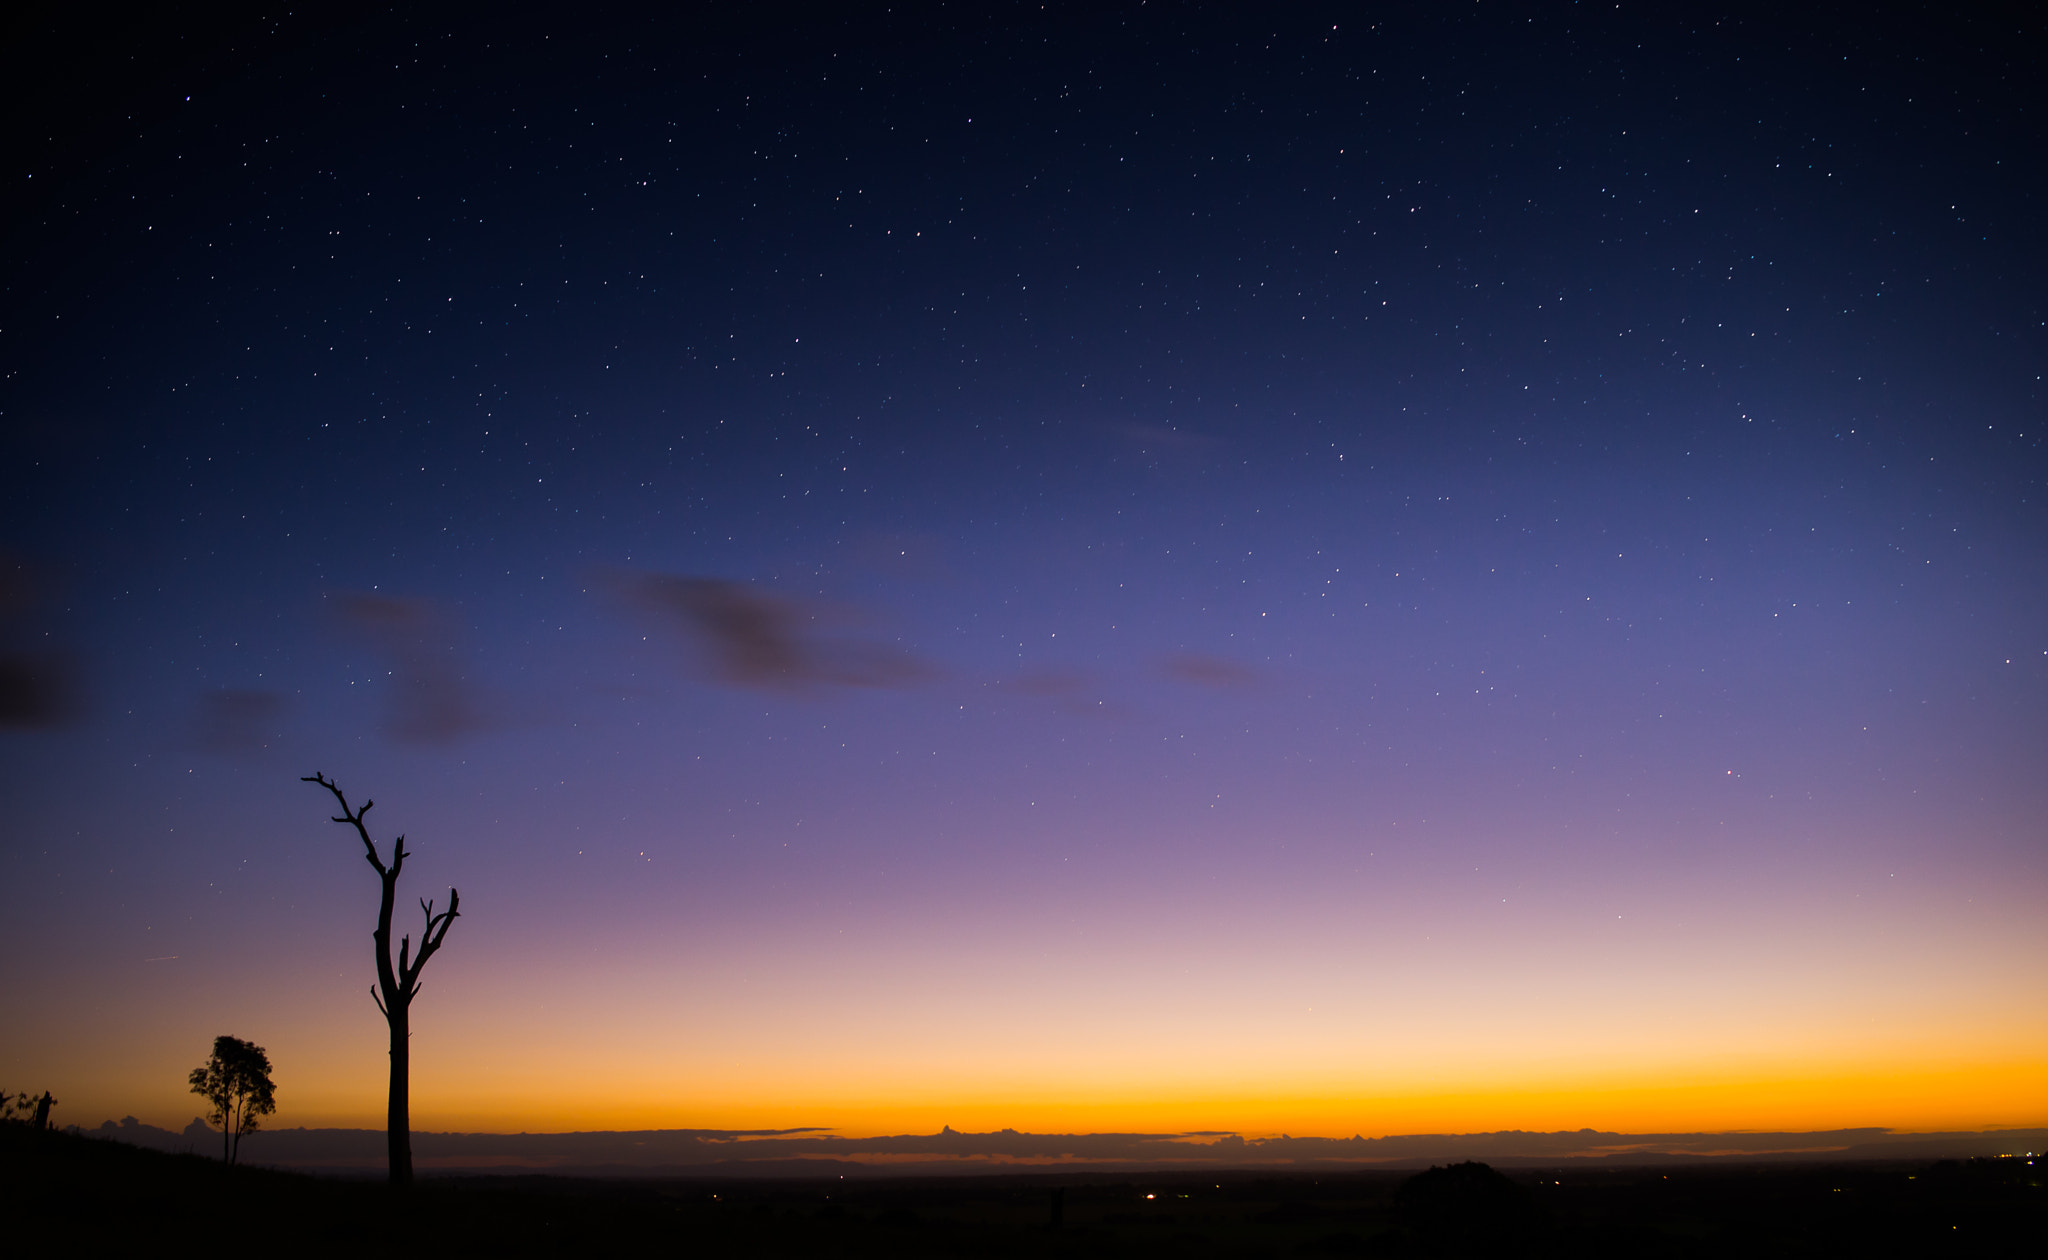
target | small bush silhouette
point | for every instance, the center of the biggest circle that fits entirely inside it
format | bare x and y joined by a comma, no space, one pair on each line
1462,1199
27,1109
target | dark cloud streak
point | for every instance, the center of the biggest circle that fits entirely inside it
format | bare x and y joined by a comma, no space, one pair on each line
238,723
1208,671
769,642
36,689
431,699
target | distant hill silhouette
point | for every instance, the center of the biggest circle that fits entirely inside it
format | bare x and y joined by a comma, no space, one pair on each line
769,1152
76,1195
136,1133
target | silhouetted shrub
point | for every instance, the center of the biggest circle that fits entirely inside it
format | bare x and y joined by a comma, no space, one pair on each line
27,1109
1461,1199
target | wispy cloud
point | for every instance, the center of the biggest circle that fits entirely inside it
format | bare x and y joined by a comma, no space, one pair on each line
239,723
1051,683
35,689
751,638
1069,691
1208,671
38,687
431,698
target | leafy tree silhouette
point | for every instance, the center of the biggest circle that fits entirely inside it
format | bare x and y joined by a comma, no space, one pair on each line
236,1080
397,984
26,1109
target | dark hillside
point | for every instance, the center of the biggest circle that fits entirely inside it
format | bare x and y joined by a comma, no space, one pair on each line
80,1194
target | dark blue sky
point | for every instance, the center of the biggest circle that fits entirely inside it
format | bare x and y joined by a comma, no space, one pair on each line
1077,470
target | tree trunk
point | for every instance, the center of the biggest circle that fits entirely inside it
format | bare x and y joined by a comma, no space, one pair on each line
397,1014
398,1118
396,986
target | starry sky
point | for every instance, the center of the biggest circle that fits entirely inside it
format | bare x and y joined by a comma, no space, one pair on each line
1106,567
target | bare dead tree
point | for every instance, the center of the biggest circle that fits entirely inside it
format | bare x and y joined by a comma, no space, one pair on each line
396,985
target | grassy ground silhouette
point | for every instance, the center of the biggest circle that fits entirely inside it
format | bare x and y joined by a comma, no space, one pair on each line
71,1192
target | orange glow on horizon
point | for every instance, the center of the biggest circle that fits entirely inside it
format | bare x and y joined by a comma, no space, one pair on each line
1990,1095
1960,1096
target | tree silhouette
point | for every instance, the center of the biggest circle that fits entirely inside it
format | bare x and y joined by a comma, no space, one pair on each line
236,1080
26,1109
396,985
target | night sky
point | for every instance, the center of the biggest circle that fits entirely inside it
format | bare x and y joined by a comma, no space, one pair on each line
1109,567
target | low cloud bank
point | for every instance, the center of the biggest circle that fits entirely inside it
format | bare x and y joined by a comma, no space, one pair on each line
800,1152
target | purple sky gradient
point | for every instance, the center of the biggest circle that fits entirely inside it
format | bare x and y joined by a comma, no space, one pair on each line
1095,556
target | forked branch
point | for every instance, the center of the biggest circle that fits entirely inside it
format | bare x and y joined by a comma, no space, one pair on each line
430,941
355,818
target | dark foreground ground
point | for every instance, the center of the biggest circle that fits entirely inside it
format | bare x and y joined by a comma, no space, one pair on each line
81,1195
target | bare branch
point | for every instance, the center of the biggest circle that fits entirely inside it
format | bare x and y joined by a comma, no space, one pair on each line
379,1001
430,940
355,818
